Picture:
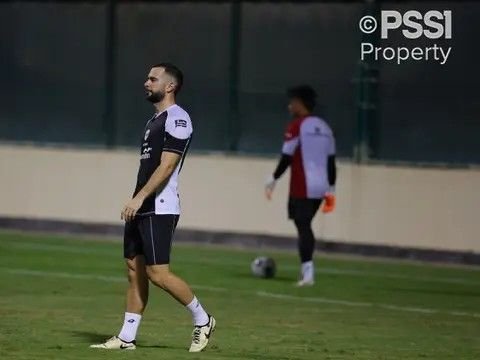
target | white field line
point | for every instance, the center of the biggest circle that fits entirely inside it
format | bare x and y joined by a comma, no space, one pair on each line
321,300
51,274
365,304
116,279
219,261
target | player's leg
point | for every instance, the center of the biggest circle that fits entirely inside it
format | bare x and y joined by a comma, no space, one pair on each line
204,324
137,292
302,211
137,298
157,234
306,245
161,276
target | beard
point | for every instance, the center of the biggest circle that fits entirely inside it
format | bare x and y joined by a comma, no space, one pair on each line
155,97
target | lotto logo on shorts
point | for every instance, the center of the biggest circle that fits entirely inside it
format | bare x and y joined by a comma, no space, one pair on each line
411,24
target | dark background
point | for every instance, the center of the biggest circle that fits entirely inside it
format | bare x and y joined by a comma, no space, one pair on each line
73,73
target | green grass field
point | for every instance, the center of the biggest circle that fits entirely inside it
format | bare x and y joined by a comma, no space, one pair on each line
60,294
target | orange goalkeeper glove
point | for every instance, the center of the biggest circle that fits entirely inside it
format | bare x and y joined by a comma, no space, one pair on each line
328,203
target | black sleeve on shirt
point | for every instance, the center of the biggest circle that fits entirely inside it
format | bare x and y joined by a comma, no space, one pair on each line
283,165
331,170
175,145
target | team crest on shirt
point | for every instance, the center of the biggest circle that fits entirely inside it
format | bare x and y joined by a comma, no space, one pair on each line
146,135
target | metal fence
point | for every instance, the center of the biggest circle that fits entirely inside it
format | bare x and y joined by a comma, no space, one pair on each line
73,73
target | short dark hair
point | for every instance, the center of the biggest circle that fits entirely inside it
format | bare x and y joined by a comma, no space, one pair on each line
305,94
174,71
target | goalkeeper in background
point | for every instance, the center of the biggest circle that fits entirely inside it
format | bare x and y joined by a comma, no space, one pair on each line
309,150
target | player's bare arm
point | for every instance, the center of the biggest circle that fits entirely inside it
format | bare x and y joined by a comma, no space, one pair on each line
157,181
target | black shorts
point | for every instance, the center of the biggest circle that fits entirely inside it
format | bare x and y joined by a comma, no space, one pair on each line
150,236
303,209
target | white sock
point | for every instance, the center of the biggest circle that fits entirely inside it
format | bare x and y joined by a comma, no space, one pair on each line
200,317
130,327
308,271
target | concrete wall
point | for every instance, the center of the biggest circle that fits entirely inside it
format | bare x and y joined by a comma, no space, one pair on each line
423,208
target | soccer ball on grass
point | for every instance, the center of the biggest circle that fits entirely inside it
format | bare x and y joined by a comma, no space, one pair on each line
263,267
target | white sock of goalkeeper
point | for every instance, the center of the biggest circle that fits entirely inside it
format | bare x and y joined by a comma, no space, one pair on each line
130,327
200,317
308,270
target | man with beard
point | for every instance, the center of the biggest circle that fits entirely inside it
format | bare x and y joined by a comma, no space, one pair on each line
152,214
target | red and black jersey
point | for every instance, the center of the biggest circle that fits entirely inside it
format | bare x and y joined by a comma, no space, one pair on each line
310,142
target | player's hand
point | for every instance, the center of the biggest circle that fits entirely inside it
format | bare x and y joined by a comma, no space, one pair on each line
130,209
329,203
269,187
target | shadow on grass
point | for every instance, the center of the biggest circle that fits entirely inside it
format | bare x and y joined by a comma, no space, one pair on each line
160,346
91,337
96,338
283,279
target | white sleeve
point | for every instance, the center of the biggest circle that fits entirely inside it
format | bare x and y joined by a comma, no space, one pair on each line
178,128
177,135
289,146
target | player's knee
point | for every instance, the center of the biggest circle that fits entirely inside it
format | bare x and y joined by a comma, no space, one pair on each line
159,275
132,271
303,223
304,226
130,264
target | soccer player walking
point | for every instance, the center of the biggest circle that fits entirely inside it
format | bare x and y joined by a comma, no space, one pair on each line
309,150
152,214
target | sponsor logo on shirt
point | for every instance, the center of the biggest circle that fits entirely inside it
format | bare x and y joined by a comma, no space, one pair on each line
316,132
146,153
181,123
